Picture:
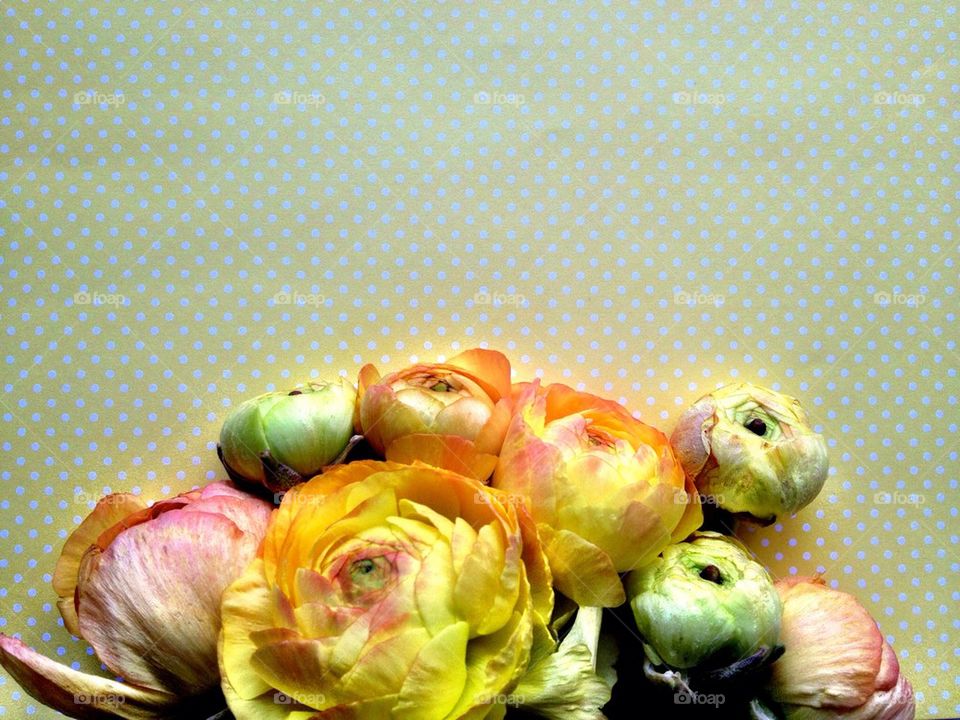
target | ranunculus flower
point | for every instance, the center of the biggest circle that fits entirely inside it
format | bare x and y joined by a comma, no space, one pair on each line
387,590
705,605
836,664
751,451
451,415
143,586
605,489
280,439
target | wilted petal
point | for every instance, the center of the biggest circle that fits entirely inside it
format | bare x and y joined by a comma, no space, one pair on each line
150,602
78,694
565,685
111,510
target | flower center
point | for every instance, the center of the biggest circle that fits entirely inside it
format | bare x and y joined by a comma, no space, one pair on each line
365,578
598,438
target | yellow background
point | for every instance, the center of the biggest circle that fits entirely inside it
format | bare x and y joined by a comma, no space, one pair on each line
202,202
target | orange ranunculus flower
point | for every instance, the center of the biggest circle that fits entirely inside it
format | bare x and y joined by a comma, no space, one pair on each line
143,585
836,663
387,590
451,415
605,489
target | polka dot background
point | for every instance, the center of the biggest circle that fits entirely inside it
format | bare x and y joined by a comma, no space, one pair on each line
203,202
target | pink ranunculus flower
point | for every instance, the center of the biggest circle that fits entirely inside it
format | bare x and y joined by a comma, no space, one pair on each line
142,585
836,663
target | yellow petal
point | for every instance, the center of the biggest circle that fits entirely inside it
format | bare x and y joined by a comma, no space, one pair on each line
436,679
383,667
484,595
246,609
581,570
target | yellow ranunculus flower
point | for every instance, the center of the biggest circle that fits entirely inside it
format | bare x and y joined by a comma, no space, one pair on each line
387,590
605,489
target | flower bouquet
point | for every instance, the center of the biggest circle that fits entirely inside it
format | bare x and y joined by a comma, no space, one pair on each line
442,542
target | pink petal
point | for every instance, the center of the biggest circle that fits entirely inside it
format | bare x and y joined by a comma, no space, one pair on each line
78,694
151,604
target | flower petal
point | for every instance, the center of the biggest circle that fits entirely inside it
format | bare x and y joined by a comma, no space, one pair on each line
437,677
109,511
150,602
245,610
833,648
78,694
488,368
581,570
450,452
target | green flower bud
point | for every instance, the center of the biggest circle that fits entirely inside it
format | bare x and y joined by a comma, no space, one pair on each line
751,451
280,439
704,604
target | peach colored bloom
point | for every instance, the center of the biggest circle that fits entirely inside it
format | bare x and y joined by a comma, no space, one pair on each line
451,415
605,489
836,664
